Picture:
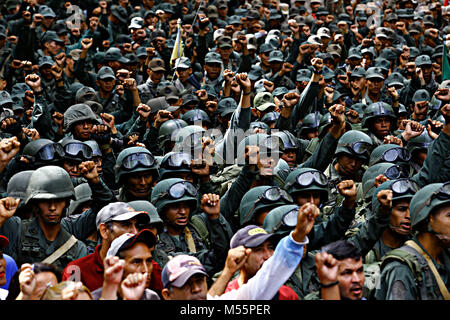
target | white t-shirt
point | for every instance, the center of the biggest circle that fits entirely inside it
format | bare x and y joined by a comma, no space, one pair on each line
3,294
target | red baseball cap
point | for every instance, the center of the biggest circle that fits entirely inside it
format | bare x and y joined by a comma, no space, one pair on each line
4,241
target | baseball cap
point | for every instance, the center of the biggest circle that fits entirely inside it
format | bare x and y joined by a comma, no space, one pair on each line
118,211
105,72
136,23
276,56
212,12
170,92
358,72
374,72
265,106
45,60
182,63
51,36
324,32
213,57
354,53
262,98
127,240
265,47
250,236
157,64
179,269
224,42
5,98
4,241
303,75
423,60
421,95
120,13
47,12
114,54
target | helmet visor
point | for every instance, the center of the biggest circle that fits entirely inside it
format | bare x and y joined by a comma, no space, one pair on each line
396,154
404,186
396,172
50,152
74,149
179,189
274,194
136,159
290,218
178,159
308,178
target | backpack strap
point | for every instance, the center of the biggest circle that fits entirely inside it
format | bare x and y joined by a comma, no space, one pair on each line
200,226
61,250
436,274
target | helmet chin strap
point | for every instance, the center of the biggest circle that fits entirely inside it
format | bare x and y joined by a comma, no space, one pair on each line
444,239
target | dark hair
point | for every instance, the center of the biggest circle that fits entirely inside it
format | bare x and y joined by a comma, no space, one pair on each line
38,267
343,249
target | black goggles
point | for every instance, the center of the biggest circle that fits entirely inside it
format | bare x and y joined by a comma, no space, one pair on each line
288,220
396,172
74,149
308,178
396,154
178,190
138,159
404,186
48,152
177,160
271,195
358,147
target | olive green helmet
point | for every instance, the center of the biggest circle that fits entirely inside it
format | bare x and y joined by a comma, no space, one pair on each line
354,143
389,153
316,181
161,197
256,199
142,160
273,222
39,152
419,143
147,206
83,194
189,139
168,131
378,109
49,182
426,199
17,185
174,162
403,189
369,176
287,141
195,116
310,122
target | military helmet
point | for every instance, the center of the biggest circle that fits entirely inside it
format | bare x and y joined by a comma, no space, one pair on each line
260,125
389,153
307,179
402,189
310,122
76,113
168,131
281,220
419,143
83,194
173,162
49,182
378,109
189,139
17,185
96,151
426,199
76,150
261,197
369,176
270,117
193,117
134,159
355,143
173,190
287,140
147,206
42,151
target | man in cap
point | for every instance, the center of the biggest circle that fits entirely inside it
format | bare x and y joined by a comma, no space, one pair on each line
155,71
117,22
263,54
261,245
112,221
420,106
280,70
129,259
213,71
185,79
185,279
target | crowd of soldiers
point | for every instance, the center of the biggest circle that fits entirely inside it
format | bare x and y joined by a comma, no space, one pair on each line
234,150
